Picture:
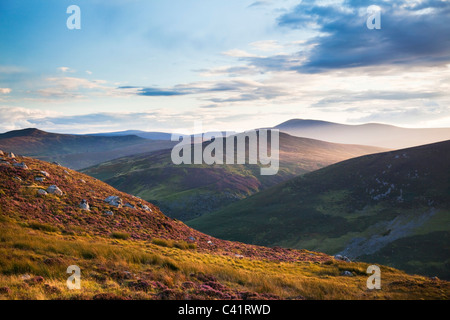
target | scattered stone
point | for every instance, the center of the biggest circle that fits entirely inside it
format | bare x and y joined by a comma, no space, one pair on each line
342,258
45,174
114,201
84,205
109,213
54,190
18,178
59,165
11,155
191,238
21,165
66,172
42,192
82,181
4,162
25,277
239,256
347,274
210,242
129,205
2,153
40,179
145,207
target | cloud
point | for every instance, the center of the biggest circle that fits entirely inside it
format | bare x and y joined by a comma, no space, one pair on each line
412,33
75,88
239,54
12,118
216,91
259,4
65,69
266,45
5,90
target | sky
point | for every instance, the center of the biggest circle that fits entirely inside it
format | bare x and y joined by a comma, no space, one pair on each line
163,65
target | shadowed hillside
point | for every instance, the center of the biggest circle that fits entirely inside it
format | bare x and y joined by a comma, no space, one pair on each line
390,207
76,151
187,191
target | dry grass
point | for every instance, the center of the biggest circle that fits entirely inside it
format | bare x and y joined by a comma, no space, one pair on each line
36,252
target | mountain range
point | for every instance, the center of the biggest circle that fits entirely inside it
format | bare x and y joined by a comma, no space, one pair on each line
188,191
76,151
391,207
372,134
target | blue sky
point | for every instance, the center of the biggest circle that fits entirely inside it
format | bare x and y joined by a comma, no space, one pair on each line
162,65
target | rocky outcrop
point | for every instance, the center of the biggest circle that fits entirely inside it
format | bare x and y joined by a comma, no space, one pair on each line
54,190
114,201
84,205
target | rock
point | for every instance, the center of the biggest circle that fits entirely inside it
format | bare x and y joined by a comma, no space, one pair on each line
109,213
239,256
25,277
11,155
59,165
45,174
18,178
2,153
191,238
84,205
347,274
114,201
145,207
20,165
42,192
4,162
129,205
210,242
342,258
54,190
82,181
40,179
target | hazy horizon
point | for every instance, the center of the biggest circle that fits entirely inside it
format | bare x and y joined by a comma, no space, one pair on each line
234,65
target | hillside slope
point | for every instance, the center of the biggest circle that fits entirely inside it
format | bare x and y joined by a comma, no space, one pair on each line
372,134
129,250
76,151
390,207
188,191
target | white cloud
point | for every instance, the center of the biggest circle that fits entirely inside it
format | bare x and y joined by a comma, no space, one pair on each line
5,90
236,53
266,45
65,69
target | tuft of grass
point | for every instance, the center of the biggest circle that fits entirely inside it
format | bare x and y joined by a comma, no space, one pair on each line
182,245
43,227
120,235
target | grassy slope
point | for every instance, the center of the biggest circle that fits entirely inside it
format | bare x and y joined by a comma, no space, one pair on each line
40,236
397,204
187,191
